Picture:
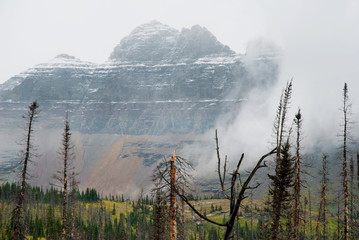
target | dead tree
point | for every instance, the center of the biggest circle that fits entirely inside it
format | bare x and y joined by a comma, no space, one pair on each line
72,205
63,176
297,183
235,198
310,215
338,216
170,176
30,118
353,225
323,200
173,204
351,197
346,112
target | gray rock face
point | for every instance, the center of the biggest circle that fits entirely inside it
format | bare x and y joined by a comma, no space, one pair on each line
154,41
149,42
158,83
158,80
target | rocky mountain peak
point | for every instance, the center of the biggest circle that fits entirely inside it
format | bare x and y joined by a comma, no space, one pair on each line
198,42
151,41
154,41
148,30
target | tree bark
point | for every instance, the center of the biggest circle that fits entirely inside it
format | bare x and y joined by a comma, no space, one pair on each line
31,115
345,169
297,182
173,214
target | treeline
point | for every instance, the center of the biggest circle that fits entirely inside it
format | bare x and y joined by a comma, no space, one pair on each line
9,191
91,221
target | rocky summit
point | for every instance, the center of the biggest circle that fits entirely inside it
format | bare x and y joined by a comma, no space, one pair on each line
158,89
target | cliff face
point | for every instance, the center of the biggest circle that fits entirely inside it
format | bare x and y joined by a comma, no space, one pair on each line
158,82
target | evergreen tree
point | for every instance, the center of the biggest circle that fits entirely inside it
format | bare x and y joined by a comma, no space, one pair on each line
280,190
159,217
53,225
113,209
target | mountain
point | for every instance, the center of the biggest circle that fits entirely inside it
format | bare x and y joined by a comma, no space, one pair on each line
158,90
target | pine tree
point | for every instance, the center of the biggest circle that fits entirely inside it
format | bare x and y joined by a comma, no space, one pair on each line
278,197
282,182
160,214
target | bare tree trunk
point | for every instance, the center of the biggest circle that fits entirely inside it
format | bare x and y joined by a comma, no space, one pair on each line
338,216
65,152
72,205
325,208
297,182
310,215
173,223
251,202
345,169
182,234
31,115
351,198
305,215
66,178
101,220
322,205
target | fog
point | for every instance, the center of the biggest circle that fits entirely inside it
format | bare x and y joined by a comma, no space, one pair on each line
319,52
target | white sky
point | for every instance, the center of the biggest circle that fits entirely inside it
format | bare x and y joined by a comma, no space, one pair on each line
34,31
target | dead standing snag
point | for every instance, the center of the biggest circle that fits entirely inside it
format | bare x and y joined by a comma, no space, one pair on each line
234,198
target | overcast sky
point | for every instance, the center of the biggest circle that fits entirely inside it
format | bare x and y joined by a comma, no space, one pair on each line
35,31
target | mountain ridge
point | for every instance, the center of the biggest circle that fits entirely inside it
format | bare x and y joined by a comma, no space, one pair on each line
148,105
